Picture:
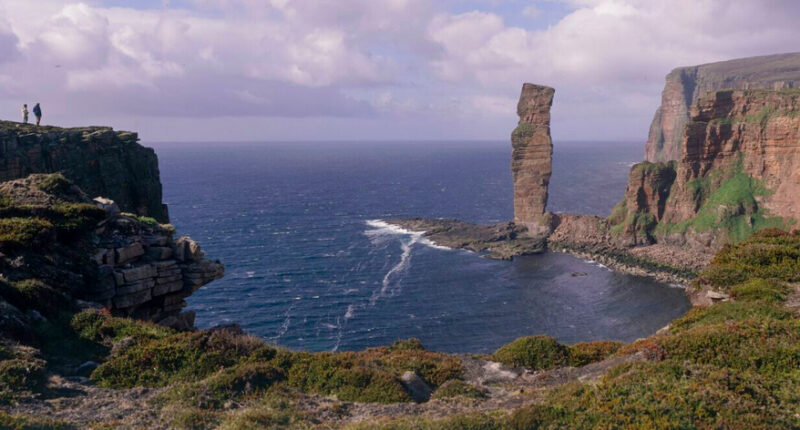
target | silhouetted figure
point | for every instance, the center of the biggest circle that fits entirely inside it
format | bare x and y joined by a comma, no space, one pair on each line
25,114
38,112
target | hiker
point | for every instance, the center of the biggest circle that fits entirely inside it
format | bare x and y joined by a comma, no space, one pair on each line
25,114
38,112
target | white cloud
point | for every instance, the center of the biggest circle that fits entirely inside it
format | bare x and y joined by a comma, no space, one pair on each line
381,59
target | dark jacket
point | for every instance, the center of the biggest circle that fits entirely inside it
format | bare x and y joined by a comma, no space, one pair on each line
37,110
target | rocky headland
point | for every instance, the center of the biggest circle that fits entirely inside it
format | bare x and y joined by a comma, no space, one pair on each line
93,335
734,172
686,85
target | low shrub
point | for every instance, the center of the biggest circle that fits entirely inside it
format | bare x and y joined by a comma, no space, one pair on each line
56,184
459,389
99,326
23,374
534,352
17,232
761,290
231,384
27,422
584,353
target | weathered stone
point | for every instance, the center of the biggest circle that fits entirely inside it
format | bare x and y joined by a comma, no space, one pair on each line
86,368
159,252
135,287
130,300
169,279
532,151
187,249
161,289
416,387
107,205
106,164
686,85
139,272
155,239
129,253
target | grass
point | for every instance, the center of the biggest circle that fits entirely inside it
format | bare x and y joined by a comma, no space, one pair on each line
735,364
26,422
522,130
56,184
459,389
533,352
732,208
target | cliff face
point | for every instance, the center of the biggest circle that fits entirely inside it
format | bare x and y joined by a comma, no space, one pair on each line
51,233
739,172
686,85
532,151
99,160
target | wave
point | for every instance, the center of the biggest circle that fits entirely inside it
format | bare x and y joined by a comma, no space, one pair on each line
383,228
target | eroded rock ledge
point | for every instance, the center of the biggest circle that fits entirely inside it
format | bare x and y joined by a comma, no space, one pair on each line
101,161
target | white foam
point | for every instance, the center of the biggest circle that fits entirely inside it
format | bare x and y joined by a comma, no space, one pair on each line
383,228
351,310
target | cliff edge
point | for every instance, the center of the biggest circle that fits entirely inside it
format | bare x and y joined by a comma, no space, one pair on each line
686,85
739,173
99,160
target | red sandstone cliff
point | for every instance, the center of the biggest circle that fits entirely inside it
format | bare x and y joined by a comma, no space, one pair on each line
686,85
531,158
739,172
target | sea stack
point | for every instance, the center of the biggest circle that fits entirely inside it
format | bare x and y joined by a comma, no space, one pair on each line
531,159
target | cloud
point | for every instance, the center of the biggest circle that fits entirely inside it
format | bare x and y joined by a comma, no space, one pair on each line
380,61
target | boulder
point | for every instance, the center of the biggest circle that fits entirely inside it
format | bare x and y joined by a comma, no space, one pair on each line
187,249
416,387
107,205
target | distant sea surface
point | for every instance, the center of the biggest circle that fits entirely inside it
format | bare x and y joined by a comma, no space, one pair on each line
311,265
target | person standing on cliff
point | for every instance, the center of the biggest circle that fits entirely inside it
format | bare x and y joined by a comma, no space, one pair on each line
38,112
25,114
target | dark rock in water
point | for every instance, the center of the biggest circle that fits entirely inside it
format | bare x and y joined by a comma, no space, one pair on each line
99,160
416,387
501,241
86,368
576,274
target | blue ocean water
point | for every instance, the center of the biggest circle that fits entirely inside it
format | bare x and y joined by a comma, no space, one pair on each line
311,266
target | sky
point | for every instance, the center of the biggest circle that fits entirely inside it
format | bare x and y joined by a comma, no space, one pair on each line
286,70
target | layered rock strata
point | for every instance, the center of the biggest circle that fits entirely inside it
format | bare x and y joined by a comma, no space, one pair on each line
101,161
144,272
78,248
686,85
739,172
531,159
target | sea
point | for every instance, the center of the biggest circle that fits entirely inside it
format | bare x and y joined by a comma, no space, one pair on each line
311,263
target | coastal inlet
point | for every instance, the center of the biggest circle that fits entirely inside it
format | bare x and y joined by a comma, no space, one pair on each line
312,263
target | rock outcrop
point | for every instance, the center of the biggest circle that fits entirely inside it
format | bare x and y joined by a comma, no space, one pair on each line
99,160
686,85
52,233
531,159
739,172
144,272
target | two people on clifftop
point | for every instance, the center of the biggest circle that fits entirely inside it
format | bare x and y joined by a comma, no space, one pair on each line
37,111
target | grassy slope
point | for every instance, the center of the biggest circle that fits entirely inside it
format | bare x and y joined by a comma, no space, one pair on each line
733,364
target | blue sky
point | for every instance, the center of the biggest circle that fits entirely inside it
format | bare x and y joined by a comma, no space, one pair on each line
366,69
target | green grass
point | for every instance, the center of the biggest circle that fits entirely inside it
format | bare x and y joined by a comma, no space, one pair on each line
56,184
459,389
732,208
26,422
17,232
522,130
